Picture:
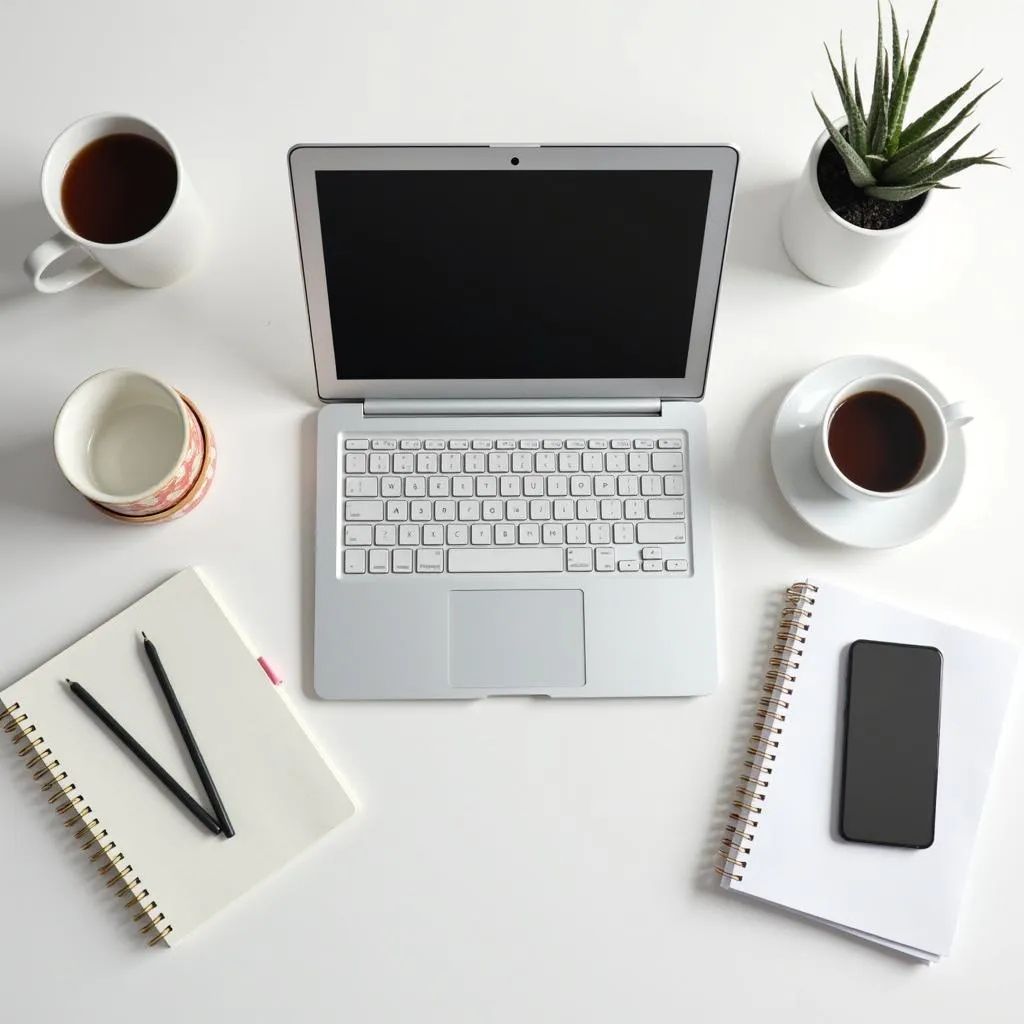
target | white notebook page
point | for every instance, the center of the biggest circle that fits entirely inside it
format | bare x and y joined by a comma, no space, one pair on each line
279,793
900,897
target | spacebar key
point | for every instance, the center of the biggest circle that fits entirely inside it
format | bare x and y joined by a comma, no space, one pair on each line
506,560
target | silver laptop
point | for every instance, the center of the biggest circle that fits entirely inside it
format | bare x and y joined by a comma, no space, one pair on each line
512,474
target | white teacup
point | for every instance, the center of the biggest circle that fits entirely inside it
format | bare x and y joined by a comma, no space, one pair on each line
160,256
128,442
935,420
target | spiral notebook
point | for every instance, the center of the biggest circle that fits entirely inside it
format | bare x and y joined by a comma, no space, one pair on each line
280,793
781,843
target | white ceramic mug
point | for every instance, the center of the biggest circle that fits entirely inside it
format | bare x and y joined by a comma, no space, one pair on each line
936,421
129,442
159,257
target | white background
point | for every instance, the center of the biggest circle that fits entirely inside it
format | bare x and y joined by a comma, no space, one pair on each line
513,859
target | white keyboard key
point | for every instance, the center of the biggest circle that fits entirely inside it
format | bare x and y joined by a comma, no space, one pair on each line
493,510
384,444
360,487
677,564
380,462
522,462
611,508
505,560
661,533
604,559
355,561
510,486
497,462
652,565
670,442
558,486
644,443
579,559
439,486
581,486
621,442
462,487
458,534
397,511
430,560
475,462
486,486
416,486
597,442
444,511
354,444
529,442
629,486
433,535
565,509
615,462
545,462
390,487
622,533
586,508
675,485
593,462
666,508
410,444
650,485
667,462
650,552
434,444
409,535
575,442
635,508
553,533
427,462
629,565
504,443
401,561
482,444
384,535
480,533
604,485
458,444
568,462
529,533
451,462
504,533
533,486
469,511
355,463
358,536
550,442
364,511
576,533
639,462
419,511
516,510
540,508
380,560
600,533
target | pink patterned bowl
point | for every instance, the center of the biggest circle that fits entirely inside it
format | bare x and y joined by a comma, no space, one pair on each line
129,442
195,494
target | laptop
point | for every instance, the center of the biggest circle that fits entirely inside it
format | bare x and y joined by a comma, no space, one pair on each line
512,344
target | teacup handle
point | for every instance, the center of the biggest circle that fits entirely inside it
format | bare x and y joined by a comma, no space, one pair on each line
40,258
956,414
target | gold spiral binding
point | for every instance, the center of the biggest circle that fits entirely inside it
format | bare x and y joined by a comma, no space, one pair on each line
67,801
787,650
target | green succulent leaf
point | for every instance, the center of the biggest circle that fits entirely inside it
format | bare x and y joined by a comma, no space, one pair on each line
956,166
897,115
930,118
875,161
876,91
860,173
897,52
909,158
876,142
854,121
899,193
857,96
928,171
899,88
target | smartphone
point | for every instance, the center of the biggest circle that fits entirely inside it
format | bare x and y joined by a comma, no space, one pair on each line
891,747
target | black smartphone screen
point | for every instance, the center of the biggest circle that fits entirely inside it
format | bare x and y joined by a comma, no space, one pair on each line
891,754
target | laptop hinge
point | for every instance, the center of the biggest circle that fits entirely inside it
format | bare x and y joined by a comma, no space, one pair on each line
512,407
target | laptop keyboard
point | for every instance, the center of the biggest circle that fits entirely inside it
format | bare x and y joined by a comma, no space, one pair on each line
514,504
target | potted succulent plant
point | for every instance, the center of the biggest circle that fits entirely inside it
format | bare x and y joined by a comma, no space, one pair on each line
870,175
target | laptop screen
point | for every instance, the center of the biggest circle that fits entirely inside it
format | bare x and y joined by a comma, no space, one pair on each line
506,274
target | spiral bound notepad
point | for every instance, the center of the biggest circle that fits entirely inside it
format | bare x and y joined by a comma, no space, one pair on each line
281,795
781,843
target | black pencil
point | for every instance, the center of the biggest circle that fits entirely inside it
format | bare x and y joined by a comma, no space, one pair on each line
140,752
186,734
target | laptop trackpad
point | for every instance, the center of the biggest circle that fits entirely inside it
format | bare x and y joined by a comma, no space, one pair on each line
516,639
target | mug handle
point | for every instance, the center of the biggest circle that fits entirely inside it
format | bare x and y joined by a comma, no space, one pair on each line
40,258
956,414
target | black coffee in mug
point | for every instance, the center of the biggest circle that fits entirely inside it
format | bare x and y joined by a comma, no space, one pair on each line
877,441
118,187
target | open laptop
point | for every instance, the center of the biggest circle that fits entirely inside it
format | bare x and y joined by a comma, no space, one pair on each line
512,473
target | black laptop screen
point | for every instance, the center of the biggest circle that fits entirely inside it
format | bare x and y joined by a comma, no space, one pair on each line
511,274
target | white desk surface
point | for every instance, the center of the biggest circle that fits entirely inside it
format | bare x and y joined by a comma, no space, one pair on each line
518,859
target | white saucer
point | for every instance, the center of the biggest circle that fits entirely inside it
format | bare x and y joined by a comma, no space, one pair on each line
864,524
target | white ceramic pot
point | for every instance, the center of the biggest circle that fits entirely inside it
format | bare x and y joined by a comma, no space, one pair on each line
827,248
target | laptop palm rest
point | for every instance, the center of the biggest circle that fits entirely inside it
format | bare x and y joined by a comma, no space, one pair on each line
530,640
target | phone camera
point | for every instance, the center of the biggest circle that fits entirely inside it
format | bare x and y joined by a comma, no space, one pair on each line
515,161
